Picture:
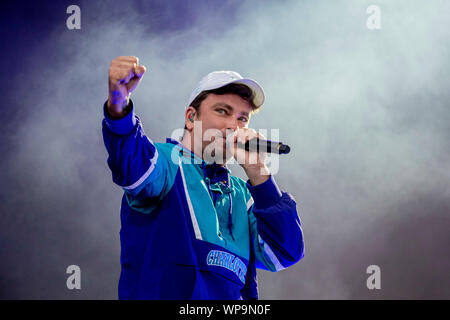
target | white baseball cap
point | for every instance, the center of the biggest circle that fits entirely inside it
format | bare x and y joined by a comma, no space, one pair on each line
218,79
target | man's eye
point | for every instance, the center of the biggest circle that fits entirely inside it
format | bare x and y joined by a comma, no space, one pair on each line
243,119
221,110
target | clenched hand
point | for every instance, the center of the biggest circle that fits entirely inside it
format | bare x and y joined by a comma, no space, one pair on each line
124,76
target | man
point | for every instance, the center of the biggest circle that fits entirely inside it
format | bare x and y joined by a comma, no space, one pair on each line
190,230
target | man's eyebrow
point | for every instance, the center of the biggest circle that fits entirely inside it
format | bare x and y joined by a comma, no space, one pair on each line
230,108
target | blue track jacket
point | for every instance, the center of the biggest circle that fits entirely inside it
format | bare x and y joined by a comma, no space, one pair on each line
189,229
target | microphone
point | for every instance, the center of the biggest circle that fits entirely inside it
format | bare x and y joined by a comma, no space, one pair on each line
268,146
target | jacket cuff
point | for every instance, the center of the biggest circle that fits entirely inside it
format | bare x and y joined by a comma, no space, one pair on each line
265,194
123,125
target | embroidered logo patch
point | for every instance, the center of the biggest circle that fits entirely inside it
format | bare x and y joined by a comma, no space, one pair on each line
228,261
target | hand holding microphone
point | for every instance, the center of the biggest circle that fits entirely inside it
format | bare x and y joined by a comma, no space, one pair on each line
250,149
268,146
257,143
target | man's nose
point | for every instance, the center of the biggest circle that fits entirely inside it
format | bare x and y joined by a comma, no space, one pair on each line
232,124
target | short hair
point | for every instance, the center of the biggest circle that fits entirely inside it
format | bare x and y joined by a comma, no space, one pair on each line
234,88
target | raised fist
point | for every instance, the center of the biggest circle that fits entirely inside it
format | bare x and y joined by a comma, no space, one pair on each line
124,75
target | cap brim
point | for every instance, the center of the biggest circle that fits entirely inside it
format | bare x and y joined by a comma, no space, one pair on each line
259,97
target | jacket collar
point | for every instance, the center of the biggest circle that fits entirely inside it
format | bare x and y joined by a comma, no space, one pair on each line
214,172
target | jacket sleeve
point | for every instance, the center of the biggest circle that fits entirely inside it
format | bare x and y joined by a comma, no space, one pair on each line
275,227
133,159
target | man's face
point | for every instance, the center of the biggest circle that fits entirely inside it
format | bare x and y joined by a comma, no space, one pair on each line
220,115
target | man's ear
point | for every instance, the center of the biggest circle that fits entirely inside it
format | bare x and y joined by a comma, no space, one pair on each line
190,117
